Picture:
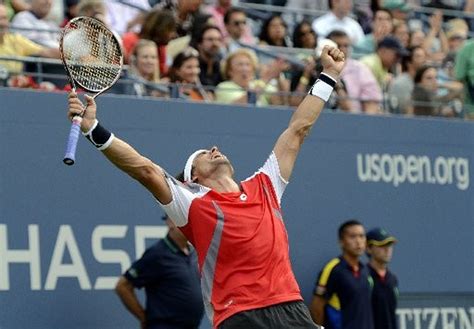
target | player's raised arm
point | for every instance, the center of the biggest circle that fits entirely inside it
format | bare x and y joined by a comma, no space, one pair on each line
121,154
289,143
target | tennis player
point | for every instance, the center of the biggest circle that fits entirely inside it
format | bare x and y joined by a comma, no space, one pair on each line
237,228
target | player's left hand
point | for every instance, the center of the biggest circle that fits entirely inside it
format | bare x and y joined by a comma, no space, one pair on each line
333,61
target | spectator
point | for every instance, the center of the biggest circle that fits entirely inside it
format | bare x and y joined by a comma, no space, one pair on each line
417,37
435,41
209,44
385,289
185,72
70,11
235,21
401,32
160,27
168,270
12,44
240,69
94,8
382,26
464,72
364,15
274,32
218,11
184,12
34,24
456,34
342,296
339,19
427,98
382,62
120,17
304,36
302,80
401,89
362,88
144,69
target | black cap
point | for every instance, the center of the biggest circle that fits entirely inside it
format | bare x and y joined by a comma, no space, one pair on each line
393,43
379,237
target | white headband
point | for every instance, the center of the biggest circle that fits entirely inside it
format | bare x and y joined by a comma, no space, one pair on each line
189,165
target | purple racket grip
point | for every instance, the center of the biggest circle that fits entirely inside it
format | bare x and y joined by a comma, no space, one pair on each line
72,140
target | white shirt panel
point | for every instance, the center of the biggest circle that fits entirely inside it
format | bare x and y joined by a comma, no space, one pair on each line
272,170
182,197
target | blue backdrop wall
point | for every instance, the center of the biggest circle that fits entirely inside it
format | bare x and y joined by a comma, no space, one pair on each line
66,233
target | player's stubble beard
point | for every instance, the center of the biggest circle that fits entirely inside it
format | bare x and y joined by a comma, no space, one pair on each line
223,165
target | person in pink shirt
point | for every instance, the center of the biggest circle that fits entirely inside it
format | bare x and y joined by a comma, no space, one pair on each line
360,83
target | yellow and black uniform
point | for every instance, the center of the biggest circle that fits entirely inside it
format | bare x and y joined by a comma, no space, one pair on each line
348,294
384,299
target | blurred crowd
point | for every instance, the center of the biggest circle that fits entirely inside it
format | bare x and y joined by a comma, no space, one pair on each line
404,57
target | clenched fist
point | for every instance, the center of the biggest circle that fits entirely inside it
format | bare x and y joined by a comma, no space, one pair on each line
333,61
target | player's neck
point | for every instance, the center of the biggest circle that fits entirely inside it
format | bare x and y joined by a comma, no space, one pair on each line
351,260
222,184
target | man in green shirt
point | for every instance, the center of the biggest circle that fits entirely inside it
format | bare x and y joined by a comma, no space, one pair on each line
389,52
464,72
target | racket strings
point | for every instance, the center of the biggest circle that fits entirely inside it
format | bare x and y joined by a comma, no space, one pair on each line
92,55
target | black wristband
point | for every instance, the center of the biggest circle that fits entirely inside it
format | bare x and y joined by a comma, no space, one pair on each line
326,78
100,137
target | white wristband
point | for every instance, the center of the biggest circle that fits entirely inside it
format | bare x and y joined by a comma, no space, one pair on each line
323,87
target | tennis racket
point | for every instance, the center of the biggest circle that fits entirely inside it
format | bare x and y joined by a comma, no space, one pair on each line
92,57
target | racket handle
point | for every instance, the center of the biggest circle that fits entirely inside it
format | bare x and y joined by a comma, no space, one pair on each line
72,140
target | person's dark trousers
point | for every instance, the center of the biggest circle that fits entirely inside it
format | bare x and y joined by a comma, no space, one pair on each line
294,315
169,326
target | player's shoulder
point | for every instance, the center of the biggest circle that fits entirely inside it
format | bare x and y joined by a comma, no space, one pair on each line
156,248
332,264
328,269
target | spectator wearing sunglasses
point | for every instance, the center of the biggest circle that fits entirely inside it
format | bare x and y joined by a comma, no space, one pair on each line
235,21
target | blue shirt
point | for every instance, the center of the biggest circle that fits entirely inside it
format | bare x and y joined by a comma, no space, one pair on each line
172,286
348,295
384,299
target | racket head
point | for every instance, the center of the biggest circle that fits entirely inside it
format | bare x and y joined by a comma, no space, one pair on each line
91,54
